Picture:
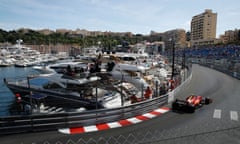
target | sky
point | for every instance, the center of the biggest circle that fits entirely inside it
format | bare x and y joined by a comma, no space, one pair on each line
136,16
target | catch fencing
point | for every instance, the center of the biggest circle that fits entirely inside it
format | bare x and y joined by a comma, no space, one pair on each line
28,123
227,66
55,121
44,122
230,135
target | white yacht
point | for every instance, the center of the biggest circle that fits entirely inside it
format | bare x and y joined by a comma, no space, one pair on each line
5,61
129,73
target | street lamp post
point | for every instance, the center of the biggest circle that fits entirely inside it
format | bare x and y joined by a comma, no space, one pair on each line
183,62
96,98
173,57
122,100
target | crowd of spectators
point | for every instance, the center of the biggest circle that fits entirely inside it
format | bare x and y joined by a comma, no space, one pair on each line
225,57
231,52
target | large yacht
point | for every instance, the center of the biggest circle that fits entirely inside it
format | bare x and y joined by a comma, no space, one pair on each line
89,90
130,73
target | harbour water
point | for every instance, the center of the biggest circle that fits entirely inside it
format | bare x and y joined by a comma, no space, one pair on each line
6,97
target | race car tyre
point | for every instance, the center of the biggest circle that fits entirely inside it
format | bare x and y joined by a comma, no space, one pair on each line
175,106
190,109
208,101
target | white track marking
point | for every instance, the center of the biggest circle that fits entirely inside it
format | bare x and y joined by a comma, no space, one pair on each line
90,128
114,125
217,113
234,115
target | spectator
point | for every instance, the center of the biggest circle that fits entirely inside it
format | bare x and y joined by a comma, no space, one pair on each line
148,93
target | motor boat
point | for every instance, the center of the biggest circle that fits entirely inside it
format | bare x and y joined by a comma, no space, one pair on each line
56,92
128,73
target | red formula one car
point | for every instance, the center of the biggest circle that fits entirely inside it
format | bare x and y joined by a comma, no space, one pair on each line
190,104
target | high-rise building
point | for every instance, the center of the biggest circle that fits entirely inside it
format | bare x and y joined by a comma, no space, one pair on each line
203,28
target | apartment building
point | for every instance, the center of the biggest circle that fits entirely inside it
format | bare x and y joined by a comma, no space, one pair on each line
203,28
230,36
176,37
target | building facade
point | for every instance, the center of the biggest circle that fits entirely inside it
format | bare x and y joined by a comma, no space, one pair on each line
230,36
203,28
176,37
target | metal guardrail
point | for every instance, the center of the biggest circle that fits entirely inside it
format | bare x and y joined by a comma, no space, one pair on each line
220,68
223,65
28,123
44,122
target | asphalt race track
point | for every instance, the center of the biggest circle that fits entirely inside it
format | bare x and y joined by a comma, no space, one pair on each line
214,123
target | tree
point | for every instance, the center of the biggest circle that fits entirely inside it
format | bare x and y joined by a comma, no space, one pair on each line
238,35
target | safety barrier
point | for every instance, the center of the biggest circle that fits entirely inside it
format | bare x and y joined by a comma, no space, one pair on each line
229,67
44,122
175,92
28,123
221,69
